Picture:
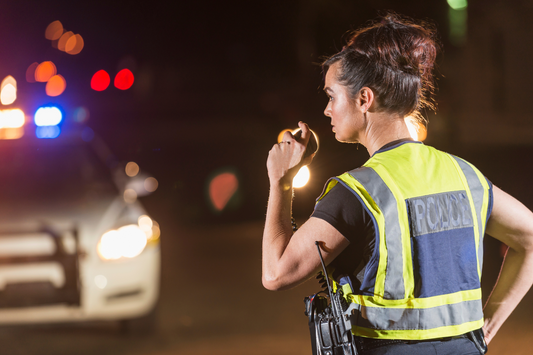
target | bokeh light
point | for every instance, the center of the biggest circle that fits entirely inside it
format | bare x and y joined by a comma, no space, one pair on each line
282,133
130,196
47,132
100,80
128,242
56,85
124,79
8,93
11,133
132,169
81,114
222,188
30,72
458,22
302,178
100,281
11,124
417,130
156,232
145,223
151,184
54,31
13,118
134,241
149,227
47,116
457,4
61,45
109,245
74,44
45,71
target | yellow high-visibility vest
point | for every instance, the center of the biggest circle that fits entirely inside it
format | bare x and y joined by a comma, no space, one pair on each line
429,210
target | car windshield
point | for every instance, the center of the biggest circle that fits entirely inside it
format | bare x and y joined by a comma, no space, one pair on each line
52,173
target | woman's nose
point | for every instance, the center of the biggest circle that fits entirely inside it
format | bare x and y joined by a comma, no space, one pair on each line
327,111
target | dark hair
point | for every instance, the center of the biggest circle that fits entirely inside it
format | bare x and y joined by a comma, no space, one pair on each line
395,58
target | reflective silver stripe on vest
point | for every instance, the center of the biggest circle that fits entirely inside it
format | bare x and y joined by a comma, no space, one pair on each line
384,198
477,191
426,318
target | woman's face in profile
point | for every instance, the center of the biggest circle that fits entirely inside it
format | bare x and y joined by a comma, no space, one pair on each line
346,120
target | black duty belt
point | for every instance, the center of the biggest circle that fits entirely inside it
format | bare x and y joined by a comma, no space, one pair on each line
364,344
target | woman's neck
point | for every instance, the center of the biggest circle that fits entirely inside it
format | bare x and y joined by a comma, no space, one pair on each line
383,129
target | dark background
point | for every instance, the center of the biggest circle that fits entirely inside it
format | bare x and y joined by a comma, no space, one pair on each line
215,82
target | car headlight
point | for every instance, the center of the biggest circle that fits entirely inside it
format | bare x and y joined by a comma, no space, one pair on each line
128,241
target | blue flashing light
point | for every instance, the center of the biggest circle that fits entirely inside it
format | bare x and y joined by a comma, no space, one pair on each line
48,116
47,132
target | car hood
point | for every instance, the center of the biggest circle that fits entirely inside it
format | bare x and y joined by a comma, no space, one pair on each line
29,216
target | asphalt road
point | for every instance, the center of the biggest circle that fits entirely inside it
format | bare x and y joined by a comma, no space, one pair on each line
213,303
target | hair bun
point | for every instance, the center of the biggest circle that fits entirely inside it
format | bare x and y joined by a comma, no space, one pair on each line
395,56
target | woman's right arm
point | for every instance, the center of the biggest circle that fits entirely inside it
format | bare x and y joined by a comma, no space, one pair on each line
512,223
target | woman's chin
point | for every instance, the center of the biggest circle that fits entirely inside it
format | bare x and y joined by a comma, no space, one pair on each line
342,139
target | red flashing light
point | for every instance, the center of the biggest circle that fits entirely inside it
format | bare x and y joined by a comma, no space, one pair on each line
124,79
222,188
100,80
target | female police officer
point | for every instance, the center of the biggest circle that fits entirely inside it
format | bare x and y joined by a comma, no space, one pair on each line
403,233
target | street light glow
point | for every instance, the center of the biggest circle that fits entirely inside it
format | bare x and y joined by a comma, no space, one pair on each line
302,178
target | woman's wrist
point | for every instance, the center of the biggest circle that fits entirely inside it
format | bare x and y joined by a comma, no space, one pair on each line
283,184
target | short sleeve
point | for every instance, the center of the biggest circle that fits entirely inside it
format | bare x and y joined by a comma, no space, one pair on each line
343,210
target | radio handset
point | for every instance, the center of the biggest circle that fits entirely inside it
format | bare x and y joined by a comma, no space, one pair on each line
312,144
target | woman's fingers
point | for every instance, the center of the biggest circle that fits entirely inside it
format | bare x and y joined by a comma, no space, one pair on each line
305,132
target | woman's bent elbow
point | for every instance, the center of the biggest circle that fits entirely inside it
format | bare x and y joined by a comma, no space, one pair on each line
271,284
275,283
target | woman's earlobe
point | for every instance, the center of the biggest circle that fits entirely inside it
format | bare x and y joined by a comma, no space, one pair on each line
366,98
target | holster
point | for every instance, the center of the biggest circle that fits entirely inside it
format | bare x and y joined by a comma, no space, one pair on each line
478,338
327,338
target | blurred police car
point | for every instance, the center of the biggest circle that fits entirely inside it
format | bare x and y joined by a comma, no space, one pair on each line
75,243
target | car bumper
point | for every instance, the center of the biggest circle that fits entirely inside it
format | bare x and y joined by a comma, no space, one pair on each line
112,290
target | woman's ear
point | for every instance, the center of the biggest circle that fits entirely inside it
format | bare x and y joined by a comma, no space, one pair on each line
366,99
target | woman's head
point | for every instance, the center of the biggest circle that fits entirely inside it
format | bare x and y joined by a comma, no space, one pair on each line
395,58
